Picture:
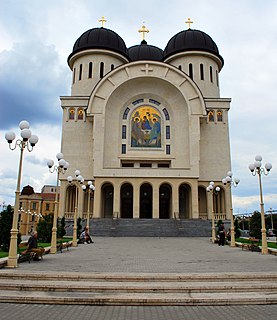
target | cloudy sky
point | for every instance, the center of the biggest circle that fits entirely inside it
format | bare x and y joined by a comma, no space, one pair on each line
37,37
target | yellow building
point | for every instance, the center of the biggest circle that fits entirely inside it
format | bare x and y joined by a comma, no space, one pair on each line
33,206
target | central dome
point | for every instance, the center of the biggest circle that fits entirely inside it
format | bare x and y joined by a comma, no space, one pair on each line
191,40
145,52
100,38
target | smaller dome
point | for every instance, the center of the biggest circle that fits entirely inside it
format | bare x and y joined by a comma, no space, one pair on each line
191,40
145,52
27,190
100,38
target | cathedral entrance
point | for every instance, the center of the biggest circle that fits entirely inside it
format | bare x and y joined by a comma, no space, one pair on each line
145,207
107,204
164,201
184,201
126,198
202,202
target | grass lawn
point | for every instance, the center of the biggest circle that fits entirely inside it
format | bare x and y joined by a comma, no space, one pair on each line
272,245
4,254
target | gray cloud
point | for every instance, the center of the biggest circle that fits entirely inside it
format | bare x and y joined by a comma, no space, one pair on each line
31,81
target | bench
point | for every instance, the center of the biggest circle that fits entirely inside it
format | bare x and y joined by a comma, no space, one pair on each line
65,245
32,254
252,246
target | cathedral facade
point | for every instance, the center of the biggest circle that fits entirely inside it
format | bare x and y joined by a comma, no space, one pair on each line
147,126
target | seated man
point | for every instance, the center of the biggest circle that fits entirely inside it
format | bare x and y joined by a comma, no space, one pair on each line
85,237
32,246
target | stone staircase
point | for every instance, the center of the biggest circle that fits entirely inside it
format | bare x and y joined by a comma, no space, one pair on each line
138,289
147,228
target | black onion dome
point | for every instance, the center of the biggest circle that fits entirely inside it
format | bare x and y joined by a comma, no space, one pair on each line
191,40
145,52
27,190
100,38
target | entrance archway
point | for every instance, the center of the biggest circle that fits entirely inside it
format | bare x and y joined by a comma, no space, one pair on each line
70,201
202,202
184,201
145,207
164,201
126,198
107,200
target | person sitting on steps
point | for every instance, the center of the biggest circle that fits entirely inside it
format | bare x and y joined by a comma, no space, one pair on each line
85,237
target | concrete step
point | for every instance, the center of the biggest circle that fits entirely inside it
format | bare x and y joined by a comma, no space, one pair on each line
147,227
142,299
138,289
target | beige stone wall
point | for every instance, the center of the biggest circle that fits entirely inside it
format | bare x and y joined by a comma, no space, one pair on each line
208,88
200,151
85,85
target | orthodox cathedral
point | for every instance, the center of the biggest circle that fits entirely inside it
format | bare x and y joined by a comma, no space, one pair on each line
147,126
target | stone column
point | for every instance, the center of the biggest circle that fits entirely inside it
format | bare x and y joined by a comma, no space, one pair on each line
136,197
155,200
175,201
116,199
97,201
209,204
194,200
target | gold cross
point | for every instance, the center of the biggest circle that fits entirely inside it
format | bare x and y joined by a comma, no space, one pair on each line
102,20
189,22
143,30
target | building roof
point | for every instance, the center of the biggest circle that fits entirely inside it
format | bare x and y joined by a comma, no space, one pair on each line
145,52
191,40
100,38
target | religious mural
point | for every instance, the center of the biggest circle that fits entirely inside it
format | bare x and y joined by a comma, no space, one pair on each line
146,128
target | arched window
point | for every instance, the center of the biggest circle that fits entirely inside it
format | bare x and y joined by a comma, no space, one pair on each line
201,71
167,132
211,116
180,67
216,74
101,69
211,73
74,74
90,69
112,67
80,114
125,114
191,71
80,71
219,116
166,114
123,132
71,114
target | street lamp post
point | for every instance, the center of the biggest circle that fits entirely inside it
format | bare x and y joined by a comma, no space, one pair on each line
60,168
28,141
90,189
257,169
229,181
79,179
213,190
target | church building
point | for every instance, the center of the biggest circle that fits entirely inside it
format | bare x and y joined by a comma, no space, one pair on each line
147,126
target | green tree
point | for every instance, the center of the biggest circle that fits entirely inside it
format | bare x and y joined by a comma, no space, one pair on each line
256,225
237,229
44,228
61,228
79,227
6,219
219,223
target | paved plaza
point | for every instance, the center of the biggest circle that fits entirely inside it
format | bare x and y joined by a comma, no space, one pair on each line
146,255
154,255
